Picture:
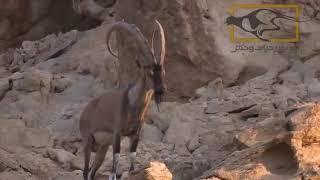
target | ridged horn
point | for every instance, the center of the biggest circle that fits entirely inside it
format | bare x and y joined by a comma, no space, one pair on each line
134,31
162,47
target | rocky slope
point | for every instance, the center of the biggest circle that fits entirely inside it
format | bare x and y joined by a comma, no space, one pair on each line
252,131
263,126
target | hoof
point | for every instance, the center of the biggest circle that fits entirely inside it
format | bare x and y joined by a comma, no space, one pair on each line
113,176
131,169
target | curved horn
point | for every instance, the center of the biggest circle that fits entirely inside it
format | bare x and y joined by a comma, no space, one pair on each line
134,32
108,45
160,56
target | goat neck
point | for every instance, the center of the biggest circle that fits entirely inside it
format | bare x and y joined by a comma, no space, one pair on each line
140,96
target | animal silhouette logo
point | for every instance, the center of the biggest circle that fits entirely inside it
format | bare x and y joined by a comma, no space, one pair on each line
263,20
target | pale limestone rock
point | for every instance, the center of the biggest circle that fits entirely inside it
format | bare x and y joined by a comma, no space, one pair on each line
36,137
193,144
154,171
60,155
4,87
151,133
314,88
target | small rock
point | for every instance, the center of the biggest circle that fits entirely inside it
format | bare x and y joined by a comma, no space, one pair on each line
311,69
37,138
163,118
151,133
214,89
158,170
74,175
314,88
61,156
14,175
291,77
36,164
200,92
309,45
33,80
181,149
201,150
59,84
193,144
4,87
228,106
7,162
29,48
179,131
6,58
77,163
200,166
251,112
4,72
155,171
10,131
266,110
263,132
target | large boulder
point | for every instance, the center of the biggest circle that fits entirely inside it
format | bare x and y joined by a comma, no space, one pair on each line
305,126
286,149
34,52
25,165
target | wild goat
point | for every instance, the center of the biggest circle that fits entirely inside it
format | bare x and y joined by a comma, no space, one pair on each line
121,112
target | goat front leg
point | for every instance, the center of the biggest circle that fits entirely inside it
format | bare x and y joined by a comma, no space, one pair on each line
116,156
134,141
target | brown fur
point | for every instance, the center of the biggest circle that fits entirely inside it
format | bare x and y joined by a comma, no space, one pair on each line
111,114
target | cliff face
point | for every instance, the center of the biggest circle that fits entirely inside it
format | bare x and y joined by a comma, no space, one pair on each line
30,20
198,40
262,124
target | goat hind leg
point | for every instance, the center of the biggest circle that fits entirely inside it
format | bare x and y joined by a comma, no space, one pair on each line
116,156
100,155
87,154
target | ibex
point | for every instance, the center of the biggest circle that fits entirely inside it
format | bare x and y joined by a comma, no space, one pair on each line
121,112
